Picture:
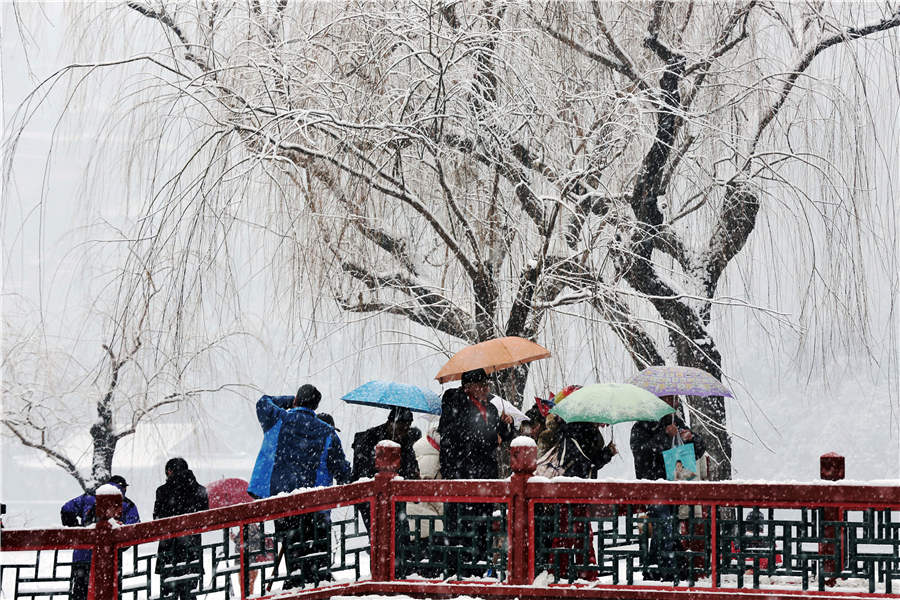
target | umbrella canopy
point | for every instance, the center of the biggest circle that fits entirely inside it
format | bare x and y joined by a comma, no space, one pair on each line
492,355
679,381
386,394
503,406
225,492
611,403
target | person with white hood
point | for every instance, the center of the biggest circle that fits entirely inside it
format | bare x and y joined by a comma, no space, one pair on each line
427,451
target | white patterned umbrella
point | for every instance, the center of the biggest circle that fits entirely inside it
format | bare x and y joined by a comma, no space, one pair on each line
679,381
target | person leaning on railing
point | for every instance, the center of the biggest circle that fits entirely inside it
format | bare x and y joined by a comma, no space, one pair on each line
297,450
81,512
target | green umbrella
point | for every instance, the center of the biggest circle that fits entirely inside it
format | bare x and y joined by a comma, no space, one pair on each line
611,403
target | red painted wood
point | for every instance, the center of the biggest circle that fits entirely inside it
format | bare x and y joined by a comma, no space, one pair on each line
523,464
831,467
521,492
103,560
451,488
387,461
440,589
238,514
47,539
713,544
722,493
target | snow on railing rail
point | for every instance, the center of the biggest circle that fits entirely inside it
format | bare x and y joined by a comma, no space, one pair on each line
525,536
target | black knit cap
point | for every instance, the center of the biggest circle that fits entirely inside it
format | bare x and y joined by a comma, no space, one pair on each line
474,376
323,416
118,480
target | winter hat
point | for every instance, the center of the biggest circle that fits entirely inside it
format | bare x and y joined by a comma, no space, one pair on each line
118,481
308,396
400,414
414,435
474,376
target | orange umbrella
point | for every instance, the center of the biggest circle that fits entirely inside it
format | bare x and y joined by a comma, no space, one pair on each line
492,355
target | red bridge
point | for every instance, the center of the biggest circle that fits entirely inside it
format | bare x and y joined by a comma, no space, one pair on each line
539,538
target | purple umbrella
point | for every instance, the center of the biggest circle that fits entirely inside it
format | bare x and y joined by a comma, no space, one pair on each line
679,381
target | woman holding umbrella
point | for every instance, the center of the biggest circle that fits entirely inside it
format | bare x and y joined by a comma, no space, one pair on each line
575,449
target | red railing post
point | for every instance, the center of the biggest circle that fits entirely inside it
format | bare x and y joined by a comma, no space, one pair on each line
104,570
381,538
523,460
831,468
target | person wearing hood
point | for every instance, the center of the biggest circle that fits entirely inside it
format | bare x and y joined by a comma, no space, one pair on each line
536,419
299,450
430,514
572,450
81,512
181,558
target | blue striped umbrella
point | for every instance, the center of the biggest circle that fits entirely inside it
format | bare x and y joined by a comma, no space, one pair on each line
386,394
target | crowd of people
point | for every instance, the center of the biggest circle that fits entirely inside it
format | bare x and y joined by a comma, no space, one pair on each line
301,449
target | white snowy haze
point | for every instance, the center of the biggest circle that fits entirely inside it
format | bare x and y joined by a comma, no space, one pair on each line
809,377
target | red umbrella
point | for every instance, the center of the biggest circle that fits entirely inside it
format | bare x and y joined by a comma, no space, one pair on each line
226,492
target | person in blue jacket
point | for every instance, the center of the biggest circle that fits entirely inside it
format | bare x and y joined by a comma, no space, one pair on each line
81,512
298,451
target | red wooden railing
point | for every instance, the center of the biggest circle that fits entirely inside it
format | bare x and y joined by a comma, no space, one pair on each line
521,494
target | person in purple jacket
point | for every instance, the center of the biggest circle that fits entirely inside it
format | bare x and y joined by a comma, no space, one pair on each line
81,512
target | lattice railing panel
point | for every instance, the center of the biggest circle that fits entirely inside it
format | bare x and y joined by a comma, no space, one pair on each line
756,547
466,540
300,551
35,574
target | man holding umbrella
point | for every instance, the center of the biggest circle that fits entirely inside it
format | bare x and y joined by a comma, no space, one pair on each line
649,439
471,429
396,429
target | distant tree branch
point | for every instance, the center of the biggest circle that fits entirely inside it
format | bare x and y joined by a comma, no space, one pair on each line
848,34
60,459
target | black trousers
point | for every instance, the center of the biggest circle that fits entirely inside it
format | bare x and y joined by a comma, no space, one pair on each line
469,530
78,584
179,564
306,541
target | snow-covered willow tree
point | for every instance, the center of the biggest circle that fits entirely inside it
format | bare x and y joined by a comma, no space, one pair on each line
104,378
475,167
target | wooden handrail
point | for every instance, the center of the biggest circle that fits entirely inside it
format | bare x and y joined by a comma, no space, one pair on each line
520,493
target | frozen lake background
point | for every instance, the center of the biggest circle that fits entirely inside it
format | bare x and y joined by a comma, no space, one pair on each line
793,401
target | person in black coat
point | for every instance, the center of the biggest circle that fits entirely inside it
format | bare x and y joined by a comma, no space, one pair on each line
395,429
584,452
649,439
179,558
471,431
